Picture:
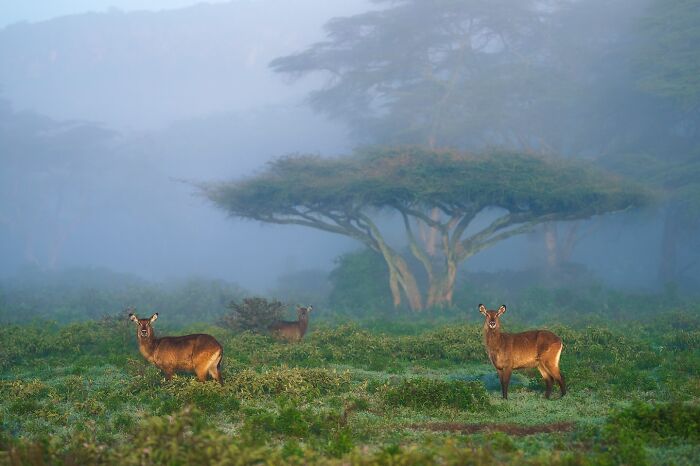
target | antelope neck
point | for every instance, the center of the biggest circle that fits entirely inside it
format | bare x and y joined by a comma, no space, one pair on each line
303,323
492,335
148,345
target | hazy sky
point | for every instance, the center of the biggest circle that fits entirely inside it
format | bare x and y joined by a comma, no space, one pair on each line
13,11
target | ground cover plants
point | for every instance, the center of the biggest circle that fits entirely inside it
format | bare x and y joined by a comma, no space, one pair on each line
351,393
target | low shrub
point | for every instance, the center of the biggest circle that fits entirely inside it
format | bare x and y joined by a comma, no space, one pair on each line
660,422
426,393
208,397
252,314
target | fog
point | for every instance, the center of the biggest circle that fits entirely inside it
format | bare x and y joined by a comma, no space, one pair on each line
111,114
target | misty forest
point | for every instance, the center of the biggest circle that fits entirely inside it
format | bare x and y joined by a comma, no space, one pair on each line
367,232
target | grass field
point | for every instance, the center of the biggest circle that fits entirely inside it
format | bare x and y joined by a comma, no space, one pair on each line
82,394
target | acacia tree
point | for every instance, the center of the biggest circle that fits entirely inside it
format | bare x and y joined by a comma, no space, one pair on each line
345,195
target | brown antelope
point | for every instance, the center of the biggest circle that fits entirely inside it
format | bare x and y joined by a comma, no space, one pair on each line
198,353
534,348
292,331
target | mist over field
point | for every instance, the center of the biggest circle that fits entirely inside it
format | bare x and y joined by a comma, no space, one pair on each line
109,116
120,107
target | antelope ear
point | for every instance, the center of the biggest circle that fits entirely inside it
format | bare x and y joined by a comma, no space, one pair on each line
154,317
501,309
133,317
482,309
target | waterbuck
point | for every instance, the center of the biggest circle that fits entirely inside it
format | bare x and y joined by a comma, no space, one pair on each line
534,348
292,331
199,353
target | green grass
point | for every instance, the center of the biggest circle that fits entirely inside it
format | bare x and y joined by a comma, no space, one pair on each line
82,394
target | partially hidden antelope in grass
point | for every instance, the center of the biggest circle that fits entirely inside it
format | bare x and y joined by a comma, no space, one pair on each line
199,353
292,331
534,348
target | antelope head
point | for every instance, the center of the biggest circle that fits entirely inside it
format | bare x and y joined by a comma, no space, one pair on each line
492,317
144,327
303,312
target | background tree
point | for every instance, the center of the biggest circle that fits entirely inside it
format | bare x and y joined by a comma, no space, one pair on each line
662,142
615,81
359,281
670,63
513,192
437,73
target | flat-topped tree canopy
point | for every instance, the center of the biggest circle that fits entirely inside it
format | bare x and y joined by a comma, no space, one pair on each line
340,195
417,177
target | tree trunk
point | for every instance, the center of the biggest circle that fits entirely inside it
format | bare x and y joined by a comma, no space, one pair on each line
551,241
394,286
409,285
442,287
400,276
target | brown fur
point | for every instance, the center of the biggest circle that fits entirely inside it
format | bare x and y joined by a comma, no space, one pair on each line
534,348
199,353
292,331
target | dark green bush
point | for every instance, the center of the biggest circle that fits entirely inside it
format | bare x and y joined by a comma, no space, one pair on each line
660,422
252,314
289,419
426,393
359,284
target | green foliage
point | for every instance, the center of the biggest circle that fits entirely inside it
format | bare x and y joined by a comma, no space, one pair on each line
349,343
340,195
389,84
107,336
290,419
253,314
290,381
425,393
390,177
85,403
669,58
359,283
660,422
208,397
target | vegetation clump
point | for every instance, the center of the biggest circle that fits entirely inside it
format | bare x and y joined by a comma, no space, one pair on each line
253,314
426,393
660,422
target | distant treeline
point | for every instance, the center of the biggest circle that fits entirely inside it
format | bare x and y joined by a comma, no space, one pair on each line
353,293
76,294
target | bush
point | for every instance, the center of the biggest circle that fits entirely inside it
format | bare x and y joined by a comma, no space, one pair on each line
252,314
360,283
423,393
209,397
659,422
324,429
